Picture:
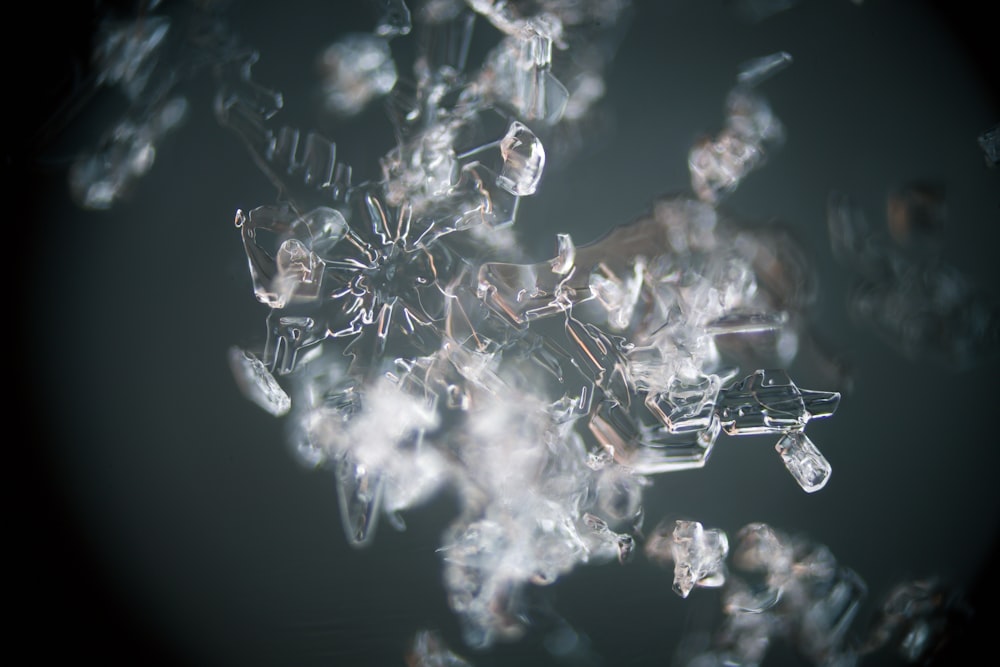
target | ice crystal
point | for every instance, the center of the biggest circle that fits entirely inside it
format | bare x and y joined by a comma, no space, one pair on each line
412,345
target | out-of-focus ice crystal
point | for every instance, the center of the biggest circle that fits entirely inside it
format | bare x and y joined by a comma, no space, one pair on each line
427,649
357,68
698,555
718,164
989,141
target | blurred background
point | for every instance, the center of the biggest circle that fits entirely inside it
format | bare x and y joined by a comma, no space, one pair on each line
160,518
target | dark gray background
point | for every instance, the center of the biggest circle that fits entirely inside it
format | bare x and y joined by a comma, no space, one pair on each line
164,518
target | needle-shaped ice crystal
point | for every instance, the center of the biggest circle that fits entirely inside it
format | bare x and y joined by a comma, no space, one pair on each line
523,160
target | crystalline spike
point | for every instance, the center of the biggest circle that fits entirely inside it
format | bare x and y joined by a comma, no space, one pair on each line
523,160
804,461
359,491
758,70
357,68
257,383
699,557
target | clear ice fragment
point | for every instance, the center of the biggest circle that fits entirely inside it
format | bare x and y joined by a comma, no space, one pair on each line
257,383
804,461
523,160
699,557
356,69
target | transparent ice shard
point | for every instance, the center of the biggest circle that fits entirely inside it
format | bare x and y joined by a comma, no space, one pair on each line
699,557
769,402
357,68
989,141
804,461
758,70
359,491
523,160
256,382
